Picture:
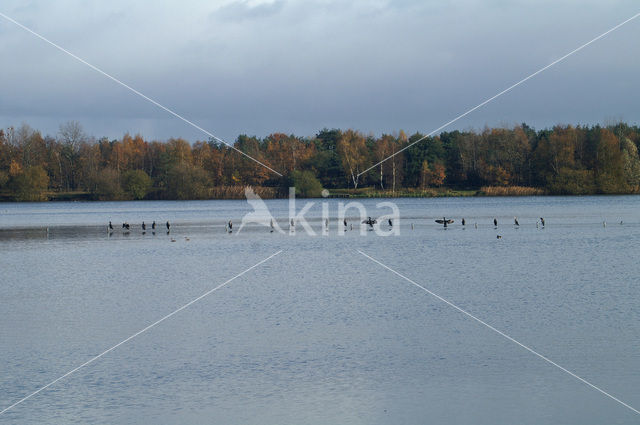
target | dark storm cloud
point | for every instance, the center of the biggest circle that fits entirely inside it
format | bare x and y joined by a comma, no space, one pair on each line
298,66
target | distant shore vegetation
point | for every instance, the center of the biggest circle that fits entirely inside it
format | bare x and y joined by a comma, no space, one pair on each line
517,161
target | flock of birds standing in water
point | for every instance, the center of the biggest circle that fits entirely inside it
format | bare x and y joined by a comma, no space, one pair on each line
126,228
370,222
446,222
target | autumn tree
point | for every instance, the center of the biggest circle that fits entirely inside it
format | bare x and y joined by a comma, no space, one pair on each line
210,157
136,183
326,162
432,175
89,165
430,151
352,152
387,152
246,170
306,184
31,184
187,181
381,152
5,160
70,137
179,151
555,152
105,185
287,153
631,164
610,176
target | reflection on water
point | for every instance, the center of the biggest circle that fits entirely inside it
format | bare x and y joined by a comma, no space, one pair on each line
320,334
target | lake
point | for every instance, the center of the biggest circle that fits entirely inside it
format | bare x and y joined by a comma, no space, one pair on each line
321,334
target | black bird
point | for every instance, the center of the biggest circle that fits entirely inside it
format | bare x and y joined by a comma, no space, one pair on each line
498,237
153,225
542,221
168,227
370,222
515,221
444,221
110,226
125,226
345,222
495,222
390,223
464,222
144,226
230,226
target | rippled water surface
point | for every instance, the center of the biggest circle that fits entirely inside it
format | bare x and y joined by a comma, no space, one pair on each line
321,334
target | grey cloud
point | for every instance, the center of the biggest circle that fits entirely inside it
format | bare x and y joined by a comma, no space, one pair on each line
303,65
242,10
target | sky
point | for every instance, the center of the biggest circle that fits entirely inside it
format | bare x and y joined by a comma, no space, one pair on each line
261,66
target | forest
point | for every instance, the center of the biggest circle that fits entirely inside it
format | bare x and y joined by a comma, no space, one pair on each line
563,160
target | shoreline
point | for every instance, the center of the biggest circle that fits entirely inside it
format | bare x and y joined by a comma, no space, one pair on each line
360,193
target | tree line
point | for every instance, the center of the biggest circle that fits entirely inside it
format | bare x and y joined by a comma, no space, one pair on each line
564,159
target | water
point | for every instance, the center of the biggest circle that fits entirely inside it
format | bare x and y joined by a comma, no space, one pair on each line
320,334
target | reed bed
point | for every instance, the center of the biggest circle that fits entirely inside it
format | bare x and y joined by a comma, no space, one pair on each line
238,192
511,191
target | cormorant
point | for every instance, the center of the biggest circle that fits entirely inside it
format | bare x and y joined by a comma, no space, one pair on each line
144,226
444,221
390,223
498,237
370,222
168,227
230,225
110,225
463,222
542,221
495,222
345,222
515,221
153,225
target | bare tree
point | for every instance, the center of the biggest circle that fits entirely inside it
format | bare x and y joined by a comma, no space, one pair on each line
72,135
